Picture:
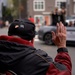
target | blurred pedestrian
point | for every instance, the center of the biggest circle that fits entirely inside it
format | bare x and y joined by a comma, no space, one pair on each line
58,16
74,23
1,23
71,24
54,16
31,19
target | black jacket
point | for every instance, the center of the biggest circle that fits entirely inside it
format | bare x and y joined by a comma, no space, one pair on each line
22,58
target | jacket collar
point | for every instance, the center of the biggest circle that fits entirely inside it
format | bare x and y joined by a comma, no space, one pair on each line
15,39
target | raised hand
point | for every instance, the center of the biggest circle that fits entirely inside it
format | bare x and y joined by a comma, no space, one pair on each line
59,38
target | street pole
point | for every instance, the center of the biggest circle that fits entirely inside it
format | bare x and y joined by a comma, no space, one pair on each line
19,9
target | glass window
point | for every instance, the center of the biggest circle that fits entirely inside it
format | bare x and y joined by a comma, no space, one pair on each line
42,5
35,5
60,3
63,5
39,19
39,5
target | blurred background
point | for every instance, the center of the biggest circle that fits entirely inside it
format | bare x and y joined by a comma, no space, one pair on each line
40,10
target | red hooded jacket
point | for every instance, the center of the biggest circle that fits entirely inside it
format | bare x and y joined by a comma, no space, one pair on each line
60,66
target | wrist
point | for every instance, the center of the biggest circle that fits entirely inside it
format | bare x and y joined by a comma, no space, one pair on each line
62,46
62,50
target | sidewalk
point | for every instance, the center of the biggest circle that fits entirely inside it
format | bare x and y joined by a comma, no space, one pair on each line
37,28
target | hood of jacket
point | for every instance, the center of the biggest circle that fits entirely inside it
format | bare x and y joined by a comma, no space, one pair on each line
12,49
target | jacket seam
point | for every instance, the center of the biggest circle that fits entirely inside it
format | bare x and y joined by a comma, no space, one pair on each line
42,58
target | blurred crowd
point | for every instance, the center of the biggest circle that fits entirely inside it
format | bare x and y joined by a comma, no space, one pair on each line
71,24
60,15
56,17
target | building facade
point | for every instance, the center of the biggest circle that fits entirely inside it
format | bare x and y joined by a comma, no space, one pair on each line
41,10
4,3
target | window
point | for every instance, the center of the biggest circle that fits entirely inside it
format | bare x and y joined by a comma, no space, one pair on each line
39,19
63,5
60,3
39,5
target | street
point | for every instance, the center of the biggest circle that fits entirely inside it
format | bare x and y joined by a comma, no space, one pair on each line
51,50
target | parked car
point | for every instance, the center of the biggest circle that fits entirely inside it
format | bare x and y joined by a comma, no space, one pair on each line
70,19
44,34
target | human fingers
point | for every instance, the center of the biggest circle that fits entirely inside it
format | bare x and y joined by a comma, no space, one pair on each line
57,30
62,28
65,30
53,34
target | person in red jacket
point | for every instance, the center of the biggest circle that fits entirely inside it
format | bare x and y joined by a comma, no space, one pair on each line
18,56
31,19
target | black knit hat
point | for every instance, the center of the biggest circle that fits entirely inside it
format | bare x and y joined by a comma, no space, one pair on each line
22,28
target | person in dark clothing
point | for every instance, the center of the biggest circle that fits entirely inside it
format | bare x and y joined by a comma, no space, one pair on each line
19,57
58,16
54,17
74,23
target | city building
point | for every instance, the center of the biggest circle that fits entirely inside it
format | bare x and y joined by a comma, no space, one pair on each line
42,9
2,3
